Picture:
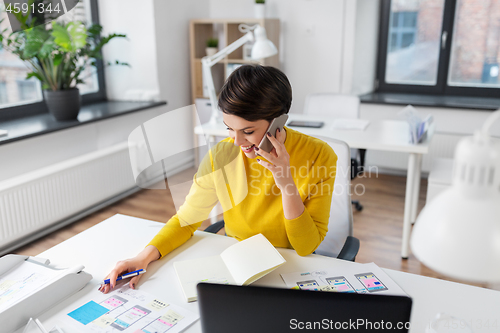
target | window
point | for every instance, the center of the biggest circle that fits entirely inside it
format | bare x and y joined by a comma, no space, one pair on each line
3,93
29,90
24,97
442,47
403,30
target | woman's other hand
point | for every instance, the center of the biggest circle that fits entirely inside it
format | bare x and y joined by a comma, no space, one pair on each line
141,261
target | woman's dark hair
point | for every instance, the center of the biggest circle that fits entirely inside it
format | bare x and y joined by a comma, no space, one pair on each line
255,92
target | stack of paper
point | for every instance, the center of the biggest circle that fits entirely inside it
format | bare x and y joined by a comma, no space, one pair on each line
359,278
240,264
418,127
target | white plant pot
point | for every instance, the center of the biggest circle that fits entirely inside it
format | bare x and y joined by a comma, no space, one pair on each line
260,10
211,51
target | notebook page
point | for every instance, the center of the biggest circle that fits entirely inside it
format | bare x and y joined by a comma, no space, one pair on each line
251,257
210,269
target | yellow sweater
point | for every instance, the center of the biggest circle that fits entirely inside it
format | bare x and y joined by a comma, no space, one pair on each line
250,199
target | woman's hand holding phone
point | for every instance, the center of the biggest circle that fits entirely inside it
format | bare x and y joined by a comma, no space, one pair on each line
279,160
279,165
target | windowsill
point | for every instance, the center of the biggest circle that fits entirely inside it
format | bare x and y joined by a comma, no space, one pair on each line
455,102
40,124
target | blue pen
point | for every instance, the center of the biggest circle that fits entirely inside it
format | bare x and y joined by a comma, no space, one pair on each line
126,276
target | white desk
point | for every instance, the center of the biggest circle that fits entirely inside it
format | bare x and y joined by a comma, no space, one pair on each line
385,135
120,237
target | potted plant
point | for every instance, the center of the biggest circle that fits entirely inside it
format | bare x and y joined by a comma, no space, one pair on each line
212,44
57,55
260,9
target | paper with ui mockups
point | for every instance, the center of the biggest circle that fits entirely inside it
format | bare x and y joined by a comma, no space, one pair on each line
24,280
350,124
129,310
359,278
240,264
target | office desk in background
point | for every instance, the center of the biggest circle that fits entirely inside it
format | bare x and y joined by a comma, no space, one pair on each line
385,135
121,237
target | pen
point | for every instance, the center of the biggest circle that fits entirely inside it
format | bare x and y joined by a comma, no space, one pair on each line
126,276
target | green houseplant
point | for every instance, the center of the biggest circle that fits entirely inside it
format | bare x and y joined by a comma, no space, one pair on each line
57,54
212,44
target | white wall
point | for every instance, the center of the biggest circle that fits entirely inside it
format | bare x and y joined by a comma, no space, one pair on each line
173,61
139,49
311,37
363,68
172,43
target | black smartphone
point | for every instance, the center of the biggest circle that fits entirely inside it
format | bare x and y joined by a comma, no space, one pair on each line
279,122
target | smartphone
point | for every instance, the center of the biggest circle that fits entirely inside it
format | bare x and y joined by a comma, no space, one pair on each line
370,282
340,284
279,122
308,285
305,123
129,317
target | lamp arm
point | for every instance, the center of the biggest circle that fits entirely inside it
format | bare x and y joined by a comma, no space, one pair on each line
208,62
209,81
212,60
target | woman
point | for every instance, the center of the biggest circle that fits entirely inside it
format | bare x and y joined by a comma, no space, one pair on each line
284,194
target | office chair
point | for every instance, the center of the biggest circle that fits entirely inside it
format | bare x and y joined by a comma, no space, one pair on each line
339,106
339,242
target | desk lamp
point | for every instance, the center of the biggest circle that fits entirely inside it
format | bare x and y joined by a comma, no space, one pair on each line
262,48
458,233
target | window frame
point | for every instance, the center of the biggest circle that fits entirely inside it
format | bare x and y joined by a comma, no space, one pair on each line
31,109
441,87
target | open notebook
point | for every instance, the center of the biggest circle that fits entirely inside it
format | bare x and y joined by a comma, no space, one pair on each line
240,264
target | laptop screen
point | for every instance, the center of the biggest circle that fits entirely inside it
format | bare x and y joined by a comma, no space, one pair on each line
230,309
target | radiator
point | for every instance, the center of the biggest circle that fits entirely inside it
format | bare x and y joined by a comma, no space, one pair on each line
34,201
442,145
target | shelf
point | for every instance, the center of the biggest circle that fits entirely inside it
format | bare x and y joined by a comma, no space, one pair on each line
200,30
242,61
234,61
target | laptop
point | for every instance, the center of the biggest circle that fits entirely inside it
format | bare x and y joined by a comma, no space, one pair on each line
236,309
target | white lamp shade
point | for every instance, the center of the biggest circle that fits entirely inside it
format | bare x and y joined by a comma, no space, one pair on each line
458,233
263,47
459,237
